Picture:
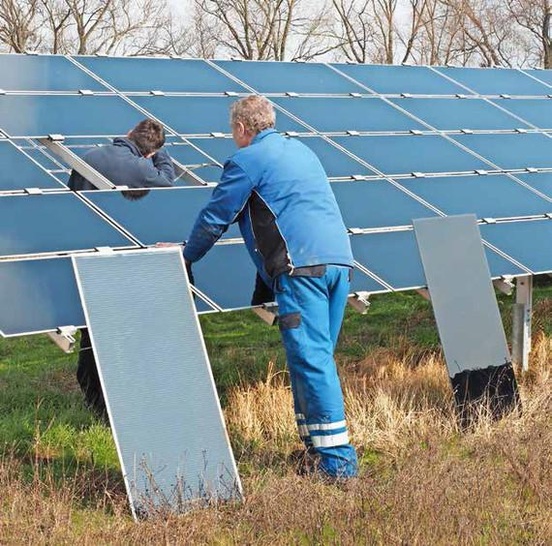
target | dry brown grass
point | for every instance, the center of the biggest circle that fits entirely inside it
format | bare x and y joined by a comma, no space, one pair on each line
423,480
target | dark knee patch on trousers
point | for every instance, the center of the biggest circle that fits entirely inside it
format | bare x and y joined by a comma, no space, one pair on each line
289,321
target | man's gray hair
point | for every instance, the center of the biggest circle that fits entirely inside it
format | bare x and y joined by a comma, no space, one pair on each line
255,112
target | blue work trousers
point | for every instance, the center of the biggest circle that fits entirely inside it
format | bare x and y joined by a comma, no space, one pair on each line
311,311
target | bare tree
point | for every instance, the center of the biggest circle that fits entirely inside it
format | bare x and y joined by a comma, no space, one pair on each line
435,35
534,16
367,30
267,29
198,37
85,26
56,17
19,24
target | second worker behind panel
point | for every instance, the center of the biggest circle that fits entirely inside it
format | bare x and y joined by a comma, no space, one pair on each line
136,161
277,190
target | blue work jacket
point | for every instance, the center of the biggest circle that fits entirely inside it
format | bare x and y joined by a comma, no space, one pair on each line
278,191
123,165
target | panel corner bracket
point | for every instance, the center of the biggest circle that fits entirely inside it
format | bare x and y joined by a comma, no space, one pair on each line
64,338
359,301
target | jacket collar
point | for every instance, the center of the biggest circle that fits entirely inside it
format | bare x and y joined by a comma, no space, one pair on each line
262,134
127,143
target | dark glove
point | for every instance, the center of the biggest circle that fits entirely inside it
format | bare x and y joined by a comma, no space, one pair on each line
262,293
189,271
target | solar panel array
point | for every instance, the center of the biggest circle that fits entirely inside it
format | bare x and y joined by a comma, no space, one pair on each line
398,143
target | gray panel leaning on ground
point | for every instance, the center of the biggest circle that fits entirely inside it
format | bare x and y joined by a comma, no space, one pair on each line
161,397
466,311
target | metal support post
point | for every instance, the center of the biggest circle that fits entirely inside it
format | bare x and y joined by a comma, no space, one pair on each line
359,302
55,144
268,313
64,338
521,324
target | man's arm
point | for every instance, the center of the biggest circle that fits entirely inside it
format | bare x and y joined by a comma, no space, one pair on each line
228,199
157,172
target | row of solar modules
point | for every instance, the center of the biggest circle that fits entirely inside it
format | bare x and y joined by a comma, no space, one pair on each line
38,232
31,116
40,294
498,153
344,158
65,222
29,73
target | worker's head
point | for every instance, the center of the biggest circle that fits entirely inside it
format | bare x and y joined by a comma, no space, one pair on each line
248,117
149,137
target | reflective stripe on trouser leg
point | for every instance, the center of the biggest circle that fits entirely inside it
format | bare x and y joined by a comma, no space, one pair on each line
302,428
311,311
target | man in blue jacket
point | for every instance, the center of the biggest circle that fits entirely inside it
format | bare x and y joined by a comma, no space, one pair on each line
136,161
277,190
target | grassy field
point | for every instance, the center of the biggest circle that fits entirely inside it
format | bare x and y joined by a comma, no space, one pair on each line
423,481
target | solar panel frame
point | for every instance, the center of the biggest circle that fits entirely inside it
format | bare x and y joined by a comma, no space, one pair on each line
289,77
127,74
396,155
453,114
163,215
211,114
488,196
44,73
20,171
361,204
495,81
397,80
367,114
54,223
504,151
63,115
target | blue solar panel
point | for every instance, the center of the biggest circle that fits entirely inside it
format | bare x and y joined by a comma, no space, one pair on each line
18,171
380,253
361,282
201,165
226,275
495,81
60,222
69,115
337,163
375,204
540,181
453,114
528,242
43,73
386,79
537,112
281,77
544,76
200,115
511,151
37,296
44,158
406,154
485,196
129,74
163,215
332,114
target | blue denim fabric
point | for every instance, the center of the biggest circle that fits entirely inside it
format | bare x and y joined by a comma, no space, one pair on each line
311,312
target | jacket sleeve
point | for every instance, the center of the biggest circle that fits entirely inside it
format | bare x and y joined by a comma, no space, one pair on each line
227,201
159,172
